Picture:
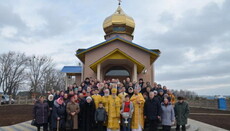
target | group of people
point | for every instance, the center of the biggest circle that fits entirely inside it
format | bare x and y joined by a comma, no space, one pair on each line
111,105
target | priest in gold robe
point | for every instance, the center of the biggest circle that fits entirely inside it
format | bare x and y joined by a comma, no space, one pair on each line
97,98
105,99
114,105
138,114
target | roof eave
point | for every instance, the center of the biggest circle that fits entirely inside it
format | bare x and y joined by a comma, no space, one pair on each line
80,53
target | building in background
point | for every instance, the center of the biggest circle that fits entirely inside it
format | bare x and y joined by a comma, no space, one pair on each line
117,56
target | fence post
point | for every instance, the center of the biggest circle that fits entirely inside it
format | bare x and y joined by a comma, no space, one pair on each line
207,104
26,99
19,99
0,99
10,99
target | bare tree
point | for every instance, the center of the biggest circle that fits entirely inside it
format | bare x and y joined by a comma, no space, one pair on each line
38,67
12,71
53,79
59,80
185,93
35,72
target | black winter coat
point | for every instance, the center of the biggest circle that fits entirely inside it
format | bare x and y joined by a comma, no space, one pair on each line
58,111
51,104
88,111
80,115
40,112
152,109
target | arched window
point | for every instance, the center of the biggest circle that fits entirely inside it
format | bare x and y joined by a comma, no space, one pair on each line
117,71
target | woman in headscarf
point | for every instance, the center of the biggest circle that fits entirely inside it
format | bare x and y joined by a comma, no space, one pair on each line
88,111
50,102
130,92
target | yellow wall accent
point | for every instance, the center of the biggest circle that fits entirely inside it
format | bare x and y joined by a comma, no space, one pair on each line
117,54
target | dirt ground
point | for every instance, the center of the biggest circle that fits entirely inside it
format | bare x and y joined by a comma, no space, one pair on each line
222,121
13,114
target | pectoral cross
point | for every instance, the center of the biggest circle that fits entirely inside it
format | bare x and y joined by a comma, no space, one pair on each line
119,2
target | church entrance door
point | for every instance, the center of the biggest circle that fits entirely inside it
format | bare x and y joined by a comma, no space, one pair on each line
117,72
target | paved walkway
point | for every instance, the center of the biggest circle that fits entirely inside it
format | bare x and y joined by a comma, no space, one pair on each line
25,126
211,114
204,127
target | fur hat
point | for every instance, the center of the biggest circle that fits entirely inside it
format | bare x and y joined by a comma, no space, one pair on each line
89,98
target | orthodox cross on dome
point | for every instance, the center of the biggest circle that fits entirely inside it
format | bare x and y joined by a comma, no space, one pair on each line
119,2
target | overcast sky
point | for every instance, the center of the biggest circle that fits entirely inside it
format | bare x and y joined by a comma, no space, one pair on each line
193,35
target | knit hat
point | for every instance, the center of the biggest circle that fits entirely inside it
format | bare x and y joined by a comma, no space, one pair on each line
89,98
161,90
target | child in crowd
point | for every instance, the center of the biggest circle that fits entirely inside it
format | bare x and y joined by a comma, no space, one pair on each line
127,107
100,117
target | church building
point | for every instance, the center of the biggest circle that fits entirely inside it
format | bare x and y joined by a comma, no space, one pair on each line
116,57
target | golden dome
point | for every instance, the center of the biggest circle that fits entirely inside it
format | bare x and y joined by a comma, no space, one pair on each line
119,22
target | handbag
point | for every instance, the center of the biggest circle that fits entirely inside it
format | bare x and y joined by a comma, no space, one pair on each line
33,123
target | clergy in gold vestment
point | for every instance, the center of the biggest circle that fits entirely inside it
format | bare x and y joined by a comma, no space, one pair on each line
114,105
105,99
97,98
138,114
122,94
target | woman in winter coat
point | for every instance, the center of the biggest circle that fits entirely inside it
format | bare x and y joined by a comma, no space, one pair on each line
58,115
50,102
40,114
181,113
167,116
72,110
88,111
